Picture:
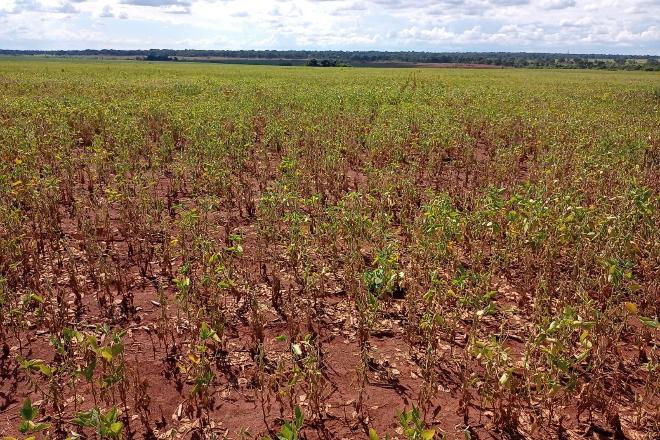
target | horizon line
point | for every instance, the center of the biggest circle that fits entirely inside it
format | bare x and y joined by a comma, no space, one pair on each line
392,51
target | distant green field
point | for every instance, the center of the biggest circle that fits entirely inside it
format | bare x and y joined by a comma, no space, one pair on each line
242,251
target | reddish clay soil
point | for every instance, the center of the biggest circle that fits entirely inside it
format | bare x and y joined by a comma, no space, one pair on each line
158,402
239,407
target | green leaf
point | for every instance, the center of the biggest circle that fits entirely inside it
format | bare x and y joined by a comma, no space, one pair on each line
88,371
373,435
88,419
46,370
28,412
286,433
581,356
116,427
300,419
116,349
205,331
24,426
40,427
39,365
106,353
650,322
37,298
110,416
92,342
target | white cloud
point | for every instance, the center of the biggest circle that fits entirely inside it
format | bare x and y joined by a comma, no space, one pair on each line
557,4
156,3
624,26
45,6
107,12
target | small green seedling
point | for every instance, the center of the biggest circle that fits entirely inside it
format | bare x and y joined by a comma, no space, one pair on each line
29,413
413,426
107,425
291,430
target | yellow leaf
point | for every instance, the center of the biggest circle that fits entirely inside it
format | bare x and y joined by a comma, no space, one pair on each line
106,354
631,307
428,434
194,358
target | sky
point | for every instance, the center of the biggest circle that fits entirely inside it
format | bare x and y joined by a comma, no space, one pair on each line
575,26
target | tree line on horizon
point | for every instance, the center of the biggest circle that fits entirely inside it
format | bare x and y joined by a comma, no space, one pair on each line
371,58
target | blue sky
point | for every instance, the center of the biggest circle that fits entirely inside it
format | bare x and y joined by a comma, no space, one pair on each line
593,26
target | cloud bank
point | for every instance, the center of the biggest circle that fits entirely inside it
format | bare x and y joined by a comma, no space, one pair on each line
592,26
